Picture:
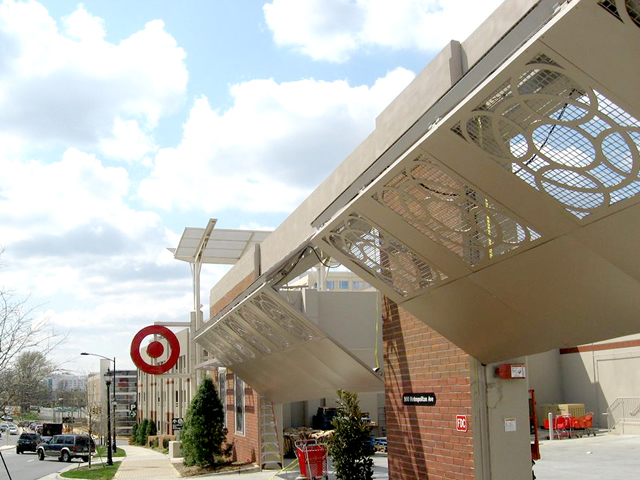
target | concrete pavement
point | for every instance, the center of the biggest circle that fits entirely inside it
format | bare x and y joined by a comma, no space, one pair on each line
603,457
144,464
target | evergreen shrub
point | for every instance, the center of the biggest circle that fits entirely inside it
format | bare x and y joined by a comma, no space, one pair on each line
203,434
350,445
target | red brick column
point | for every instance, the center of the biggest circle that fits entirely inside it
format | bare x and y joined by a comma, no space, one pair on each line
423,441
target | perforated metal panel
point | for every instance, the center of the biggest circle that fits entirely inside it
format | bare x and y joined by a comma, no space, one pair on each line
242,331
452,213
564,139
254,320
239,344
383,255
623,10
282,317
218,344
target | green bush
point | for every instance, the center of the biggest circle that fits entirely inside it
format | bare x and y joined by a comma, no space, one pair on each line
203,433
153,429
143,432
134,434
154,443
165,443
350,445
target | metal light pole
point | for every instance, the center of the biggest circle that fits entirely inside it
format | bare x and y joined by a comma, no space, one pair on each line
109,455
115,447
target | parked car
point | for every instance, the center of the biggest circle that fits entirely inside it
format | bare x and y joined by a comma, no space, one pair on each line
28,442
13,430
4,427
67,447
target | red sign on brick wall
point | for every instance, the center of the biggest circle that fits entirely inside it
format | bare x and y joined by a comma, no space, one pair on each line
461,423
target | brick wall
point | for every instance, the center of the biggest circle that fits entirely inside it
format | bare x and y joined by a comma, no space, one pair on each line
246,444
423,441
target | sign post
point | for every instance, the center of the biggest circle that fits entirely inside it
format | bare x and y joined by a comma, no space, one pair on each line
177,426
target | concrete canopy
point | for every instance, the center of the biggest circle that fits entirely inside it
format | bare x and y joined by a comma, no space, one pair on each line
510,225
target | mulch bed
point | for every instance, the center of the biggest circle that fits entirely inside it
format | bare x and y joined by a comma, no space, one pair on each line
196,470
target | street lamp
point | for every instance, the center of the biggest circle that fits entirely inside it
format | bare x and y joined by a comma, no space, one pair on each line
109,455
115,447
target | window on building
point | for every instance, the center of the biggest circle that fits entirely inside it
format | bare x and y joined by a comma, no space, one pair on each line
222,392
239,404
330,284
343,285
358,285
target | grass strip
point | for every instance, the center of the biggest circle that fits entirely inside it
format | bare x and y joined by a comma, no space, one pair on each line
96,472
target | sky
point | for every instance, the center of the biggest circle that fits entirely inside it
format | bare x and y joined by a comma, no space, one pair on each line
123,122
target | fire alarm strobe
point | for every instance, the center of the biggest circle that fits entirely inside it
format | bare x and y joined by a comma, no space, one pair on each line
155,349
510,371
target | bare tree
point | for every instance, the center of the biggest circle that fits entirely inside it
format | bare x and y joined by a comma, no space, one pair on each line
19,333
30,371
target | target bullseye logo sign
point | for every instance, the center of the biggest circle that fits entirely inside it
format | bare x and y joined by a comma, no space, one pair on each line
155,349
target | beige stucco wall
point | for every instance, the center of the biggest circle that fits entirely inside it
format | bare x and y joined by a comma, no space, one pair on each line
544,375
594,378
350,318
598,378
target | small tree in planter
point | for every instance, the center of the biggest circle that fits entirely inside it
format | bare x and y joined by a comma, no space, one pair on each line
203,433
350,445
134,434
143,431
153,429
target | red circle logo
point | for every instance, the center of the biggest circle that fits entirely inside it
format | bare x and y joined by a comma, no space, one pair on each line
155,349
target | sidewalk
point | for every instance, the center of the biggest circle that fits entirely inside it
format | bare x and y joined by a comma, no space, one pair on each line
144,464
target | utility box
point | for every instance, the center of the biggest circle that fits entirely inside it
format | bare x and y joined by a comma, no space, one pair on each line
174,450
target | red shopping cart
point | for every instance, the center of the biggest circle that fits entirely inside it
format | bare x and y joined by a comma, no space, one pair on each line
562,427
584,424
312,459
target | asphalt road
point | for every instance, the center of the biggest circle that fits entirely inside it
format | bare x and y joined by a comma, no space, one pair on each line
26,466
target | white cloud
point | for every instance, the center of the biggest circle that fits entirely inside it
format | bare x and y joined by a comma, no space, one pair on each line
60,195
332,30
95,266
80,25
275,144
66,86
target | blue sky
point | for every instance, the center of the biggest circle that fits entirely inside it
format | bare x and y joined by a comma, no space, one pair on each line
121,123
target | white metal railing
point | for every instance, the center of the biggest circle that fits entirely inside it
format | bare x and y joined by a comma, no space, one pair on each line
622,410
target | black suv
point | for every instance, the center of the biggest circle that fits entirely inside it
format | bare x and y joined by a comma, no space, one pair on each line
28,442
67,447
